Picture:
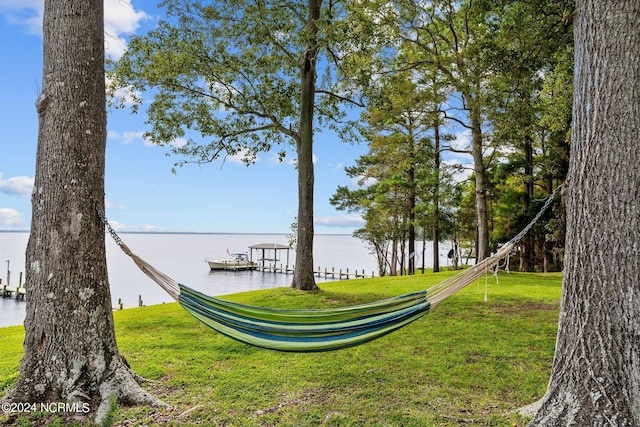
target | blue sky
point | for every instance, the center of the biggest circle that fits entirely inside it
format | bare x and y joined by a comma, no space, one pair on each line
142,194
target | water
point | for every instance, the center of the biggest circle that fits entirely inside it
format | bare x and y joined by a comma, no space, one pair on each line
182,257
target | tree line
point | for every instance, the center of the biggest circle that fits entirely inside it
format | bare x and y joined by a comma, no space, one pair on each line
500,72
413,72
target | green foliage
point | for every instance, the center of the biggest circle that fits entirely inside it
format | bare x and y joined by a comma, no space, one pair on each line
530,99
506,67
466,360
404,163
220,73
292,238
225,79
230,73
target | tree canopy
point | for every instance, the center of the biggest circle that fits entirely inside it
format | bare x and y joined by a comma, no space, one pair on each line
226,79
241,77
501,72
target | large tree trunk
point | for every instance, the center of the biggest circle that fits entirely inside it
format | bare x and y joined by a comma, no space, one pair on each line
70,350
303,277
528,243
595,379
477,149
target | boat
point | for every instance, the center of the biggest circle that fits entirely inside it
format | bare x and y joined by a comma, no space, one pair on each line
235,262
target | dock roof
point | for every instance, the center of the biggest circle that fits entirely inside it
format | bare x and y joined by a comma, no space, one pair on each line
269,246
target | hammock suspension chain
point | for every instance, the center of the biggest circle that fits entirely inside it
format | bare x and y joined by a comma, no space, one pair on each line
535,219
165,282
105,221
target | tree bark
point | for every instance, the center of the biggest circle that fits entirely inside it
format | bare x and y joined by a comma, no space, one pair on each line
70,351
435,229
411,265
595,379
477,148
529,240
303,277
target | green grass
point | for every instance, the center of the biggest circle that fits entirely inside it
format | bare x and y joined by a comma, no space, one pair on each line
468,362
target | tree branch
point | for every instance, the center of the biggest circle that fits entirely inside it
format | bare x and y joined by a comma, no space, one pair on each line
455,119
340,97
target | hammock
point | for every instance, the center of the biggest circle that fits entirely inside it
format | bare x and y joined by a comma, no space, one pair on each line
323,329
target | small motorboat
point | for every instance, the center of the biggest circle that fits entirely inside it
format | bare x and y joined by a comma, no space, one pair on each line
233,262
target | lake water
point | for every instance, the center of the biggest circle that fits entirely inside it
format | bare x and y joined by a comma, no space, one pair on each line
182,257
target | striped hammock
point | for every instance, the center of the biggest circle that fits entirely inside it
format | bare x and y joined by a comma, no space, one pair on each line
317,330
313,330
304,330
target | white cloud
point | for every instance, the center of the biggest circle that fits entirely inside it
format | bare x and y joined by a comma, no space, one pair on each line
294,162
242,157
149,228
460,171
178,142
121,96
10,218
127,137
462,140
362,181
109,204
24,13
18,185
460,164
340,221
130,137
118,226
120,19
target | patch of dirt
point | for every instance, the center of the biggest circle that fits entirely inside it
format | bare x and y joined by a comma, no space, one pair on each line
311,396
524,308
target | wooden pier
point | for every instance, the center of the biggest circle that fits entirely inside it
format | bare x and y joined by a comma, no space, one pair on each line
269,254
318,272
7,291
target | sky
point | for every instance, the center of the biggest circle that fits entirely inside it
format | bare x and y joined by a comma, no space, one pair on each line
142,193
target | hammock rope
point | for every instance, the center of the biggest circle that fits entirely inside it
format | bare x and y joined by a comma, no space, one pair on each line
319,329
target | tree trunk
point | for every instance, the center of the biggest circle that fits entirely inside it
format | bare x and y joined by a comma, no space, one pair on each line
393,270
529,239
424,249
303,277
411,267
70,351
482,218
435,230
548,243
595,379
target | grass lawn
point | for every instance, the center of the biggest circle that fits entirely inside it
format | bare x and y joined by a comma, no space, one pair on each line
467,362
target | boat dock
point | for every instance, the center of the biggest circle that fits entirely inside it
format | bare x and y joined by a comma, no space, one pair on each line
318,272
268,256
7,291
